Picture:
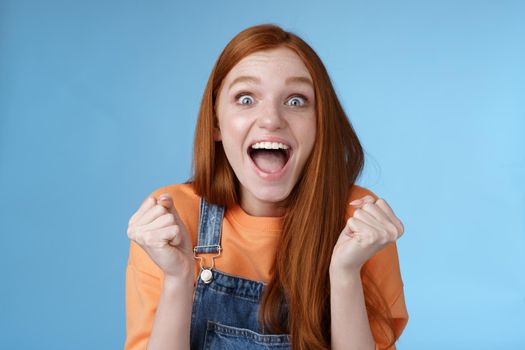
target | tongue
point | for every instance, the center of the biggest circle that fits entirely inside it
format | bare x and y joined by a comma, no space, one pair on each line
269,161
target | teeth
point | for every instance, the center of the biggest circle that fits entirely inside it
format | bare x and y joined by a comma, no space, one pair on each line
269,145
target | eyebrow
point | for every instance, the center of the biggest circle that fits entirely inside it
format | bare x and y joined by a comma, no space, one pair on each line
252,79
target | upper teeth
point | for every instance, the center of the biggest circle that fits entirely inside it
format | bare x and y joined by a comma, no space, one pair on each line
269,145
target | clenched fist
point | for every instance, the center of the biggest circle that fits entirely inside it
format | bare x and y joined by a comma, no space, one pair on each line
372,227
157,228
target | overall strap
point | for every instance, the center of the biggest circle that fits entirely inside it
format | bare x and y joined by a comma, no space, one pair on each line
210,222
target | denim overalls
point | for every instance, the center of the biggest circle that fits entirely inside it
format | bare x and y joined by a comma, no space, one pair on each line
225,308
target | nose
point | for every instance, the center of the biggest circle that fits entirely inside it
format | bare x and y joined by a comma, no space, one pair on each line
271,117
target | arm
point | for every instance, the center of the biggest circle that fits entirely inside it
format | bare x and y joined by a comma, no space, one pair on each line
171,328
159,282
157,308
372,227
350,326
143,289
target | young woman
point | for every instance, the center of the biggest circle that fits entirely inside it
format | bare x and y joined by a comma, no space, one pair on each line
270,245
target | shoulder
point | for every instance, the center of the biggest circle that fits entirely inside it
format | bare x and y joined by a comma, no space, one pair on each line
357,192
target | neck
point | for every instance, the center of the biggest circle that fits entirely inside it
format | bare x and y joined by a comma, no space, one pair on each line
260,208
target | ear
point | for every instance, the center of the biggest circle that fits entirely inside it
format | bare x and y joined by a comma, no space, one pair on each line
217,134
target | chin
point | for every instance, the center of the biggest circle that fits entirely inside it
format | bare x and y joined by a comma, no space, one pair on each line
271,195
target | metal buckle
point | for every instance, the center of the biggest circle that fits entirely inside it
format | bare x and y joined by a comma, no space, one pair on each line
206,274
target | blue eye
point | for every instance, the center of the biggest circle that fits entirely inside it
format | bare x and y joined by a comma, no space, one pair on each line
245,99
297,101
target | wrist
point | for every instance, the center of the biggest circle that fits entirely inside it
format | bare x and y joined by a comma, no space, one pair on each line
344,277
178,283
341,267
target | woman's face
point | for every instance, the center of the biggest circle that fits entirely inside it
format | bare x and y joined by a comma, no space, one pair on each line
267,125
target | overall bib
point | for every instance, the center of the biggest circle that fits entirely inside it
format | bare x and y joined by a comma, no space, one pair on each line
225,307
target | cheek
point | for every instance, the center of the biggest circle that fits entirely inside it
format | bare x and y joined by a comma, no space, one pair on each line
237,126
233,126
307,132
234,131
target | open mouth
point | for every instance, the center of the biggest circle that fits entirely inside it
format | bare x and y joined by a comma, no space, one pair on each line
270,157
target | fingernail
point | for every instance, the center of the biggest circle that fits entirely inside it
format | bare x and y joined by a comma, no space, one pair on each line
164,198
356,202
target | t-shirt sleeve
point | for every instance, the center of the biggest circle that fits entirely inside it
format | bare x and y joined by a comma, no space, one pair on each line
142,297
143,288
384,269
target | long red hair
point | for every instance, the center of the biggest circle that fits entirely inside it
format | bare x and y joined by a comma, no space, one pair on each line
315,209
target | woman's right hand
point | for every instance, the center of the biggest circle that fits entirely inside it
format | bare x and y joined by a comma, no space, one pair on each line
158,229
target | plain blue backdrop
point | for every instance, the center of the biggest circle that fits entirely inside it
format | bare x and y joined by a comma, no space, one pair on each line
98,102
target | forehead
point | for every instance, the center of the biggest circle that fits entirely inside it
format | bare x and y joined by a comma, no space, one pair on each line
280,60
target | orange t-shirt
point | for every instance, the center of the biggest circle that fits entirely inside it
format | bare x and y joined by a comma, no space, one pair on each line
249,244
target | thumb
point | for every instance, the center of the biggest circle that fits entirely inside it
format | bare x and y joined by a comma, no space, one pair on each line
347,230
348,233
167,202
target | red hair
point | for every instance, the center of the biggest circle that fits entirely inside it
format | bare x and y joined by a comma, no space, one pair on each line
315,209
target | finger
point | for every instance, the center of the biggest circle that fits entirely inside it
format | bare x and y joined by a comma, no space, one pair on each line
161,222
360,229
148,203
369,199
347,230
366,199
386,230
165,200
131,232
376,212
367,217
174,236
382,219
160,238
151,214
171,235
135,235
381,203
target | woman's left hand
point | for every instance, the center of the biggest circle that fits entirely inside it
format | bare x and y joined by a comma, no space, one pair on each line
372,226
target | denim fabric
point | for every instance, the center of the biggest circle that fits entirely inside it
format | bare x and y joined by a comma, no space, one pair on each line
210,222
225,310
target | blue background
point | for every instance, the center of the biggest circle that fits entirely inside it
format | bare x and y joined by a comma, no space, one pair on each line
98,102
